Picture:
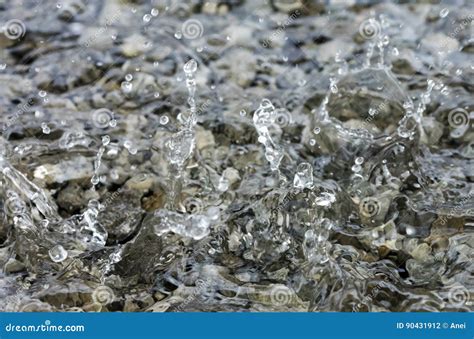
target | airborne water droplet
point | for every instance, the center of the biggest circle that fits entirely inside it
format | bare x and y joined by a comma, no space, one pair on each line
164,120
444,13
45,128
57,253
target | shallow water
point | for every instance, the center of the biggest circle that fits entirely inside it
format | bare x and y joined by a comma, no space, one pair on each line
236,156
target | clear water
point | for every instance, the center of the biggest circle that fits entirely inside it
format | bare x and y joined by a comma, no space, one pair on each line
237,157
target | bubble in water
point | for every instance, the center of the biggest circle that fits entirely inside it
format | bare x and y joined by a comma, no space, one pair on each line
156,95
317,130
147,18
129,77
57,253
164,119
444,13
178,35
42,94
243,113
45,128
304,176
156,64
359,160
155,12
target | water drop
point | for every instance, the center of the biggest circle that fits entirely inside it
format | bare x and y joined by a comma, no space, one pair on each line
359,160
304,176
444,13
147,18
129,77
45,128
190,67
155,12
243,113
105,140
57,253
42,94
126,87
178,35
164,120
317,130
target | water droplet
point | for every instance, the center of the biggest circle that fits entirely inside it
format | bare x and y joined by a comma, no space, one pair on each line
156,64
42,94
304,176
105,140
3,66
58,5
156,95
164,119
243,113
126,87
147,18
57,253
190,67
444,13
45,128
312,142
359,160
178,35
317,130
129,77
155,11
